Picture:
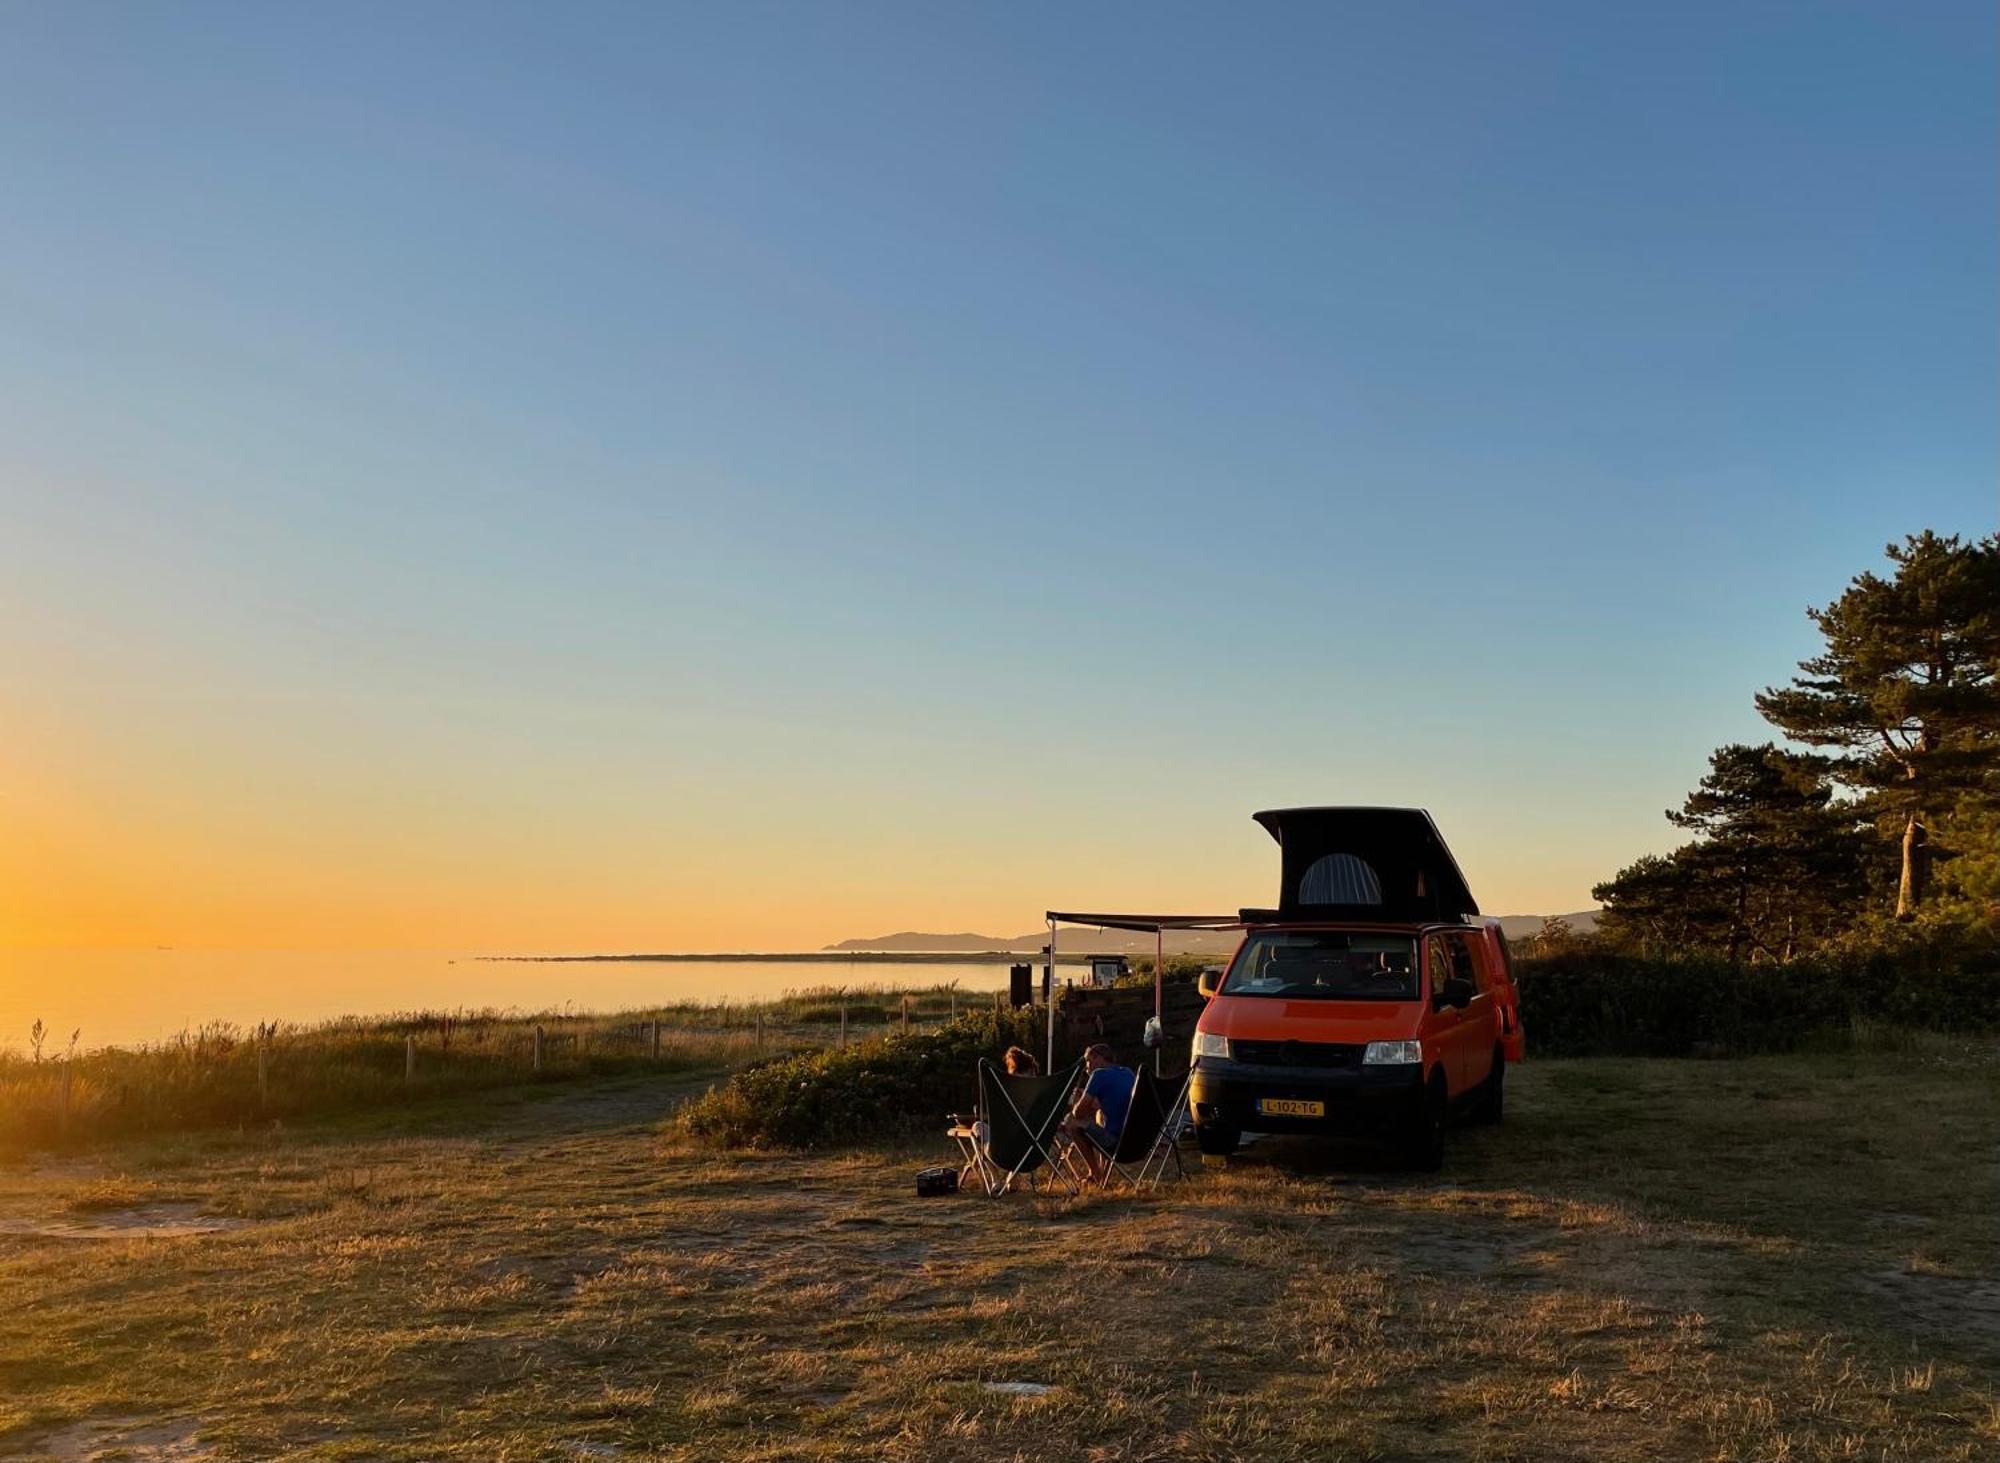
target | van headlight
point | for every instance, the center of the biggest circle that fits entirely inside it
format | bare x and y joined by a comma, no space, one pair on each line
1208,1044
1390,1053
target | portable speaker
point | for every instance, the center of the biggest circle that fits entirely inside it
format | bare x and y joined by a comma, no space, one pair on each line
935,1181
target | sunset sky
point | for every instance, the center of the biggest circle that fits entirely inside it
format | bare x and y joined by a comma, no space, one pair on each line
741,476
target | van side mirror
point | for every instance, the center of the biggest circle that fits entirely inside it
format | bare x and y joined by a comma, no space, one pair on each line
1210,982
1456,991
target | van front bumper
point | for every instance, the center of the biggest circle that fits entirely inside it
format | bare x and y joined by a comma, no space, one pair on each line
1357,1100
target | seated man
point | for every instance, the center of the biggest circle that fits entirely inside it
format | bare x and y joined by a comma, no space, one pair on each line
1098,1116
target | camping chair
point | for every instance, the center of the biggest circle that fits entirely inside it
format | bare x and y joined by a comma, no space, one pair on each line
1020,1116
1174,1119
1149,1135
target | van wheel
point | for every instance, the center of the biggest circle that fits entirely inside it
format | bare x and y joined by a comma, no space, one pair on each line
1215,1141
1492,1104
1423,1140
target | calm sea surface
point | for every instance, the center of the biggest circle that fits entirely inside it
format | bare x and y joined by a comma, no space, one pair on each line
118,997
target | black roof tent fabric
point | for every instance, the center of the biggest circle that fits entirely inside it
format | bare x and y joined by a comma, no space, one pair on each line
1417,877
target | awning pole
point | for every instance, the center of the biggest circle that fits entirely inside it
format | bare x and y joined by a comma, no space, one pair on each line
1049,986
1159,986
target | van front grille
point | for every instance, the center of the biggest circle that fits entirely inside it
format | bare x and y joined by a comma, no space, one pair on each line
1297,1053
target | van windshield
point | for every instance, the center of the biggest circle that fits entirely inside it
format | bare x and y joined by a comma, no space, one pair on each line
1325,965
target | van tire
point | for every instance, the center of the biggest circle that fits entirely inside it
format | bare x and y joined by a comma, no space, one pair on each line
1423,1137
1491,1105
1216,1141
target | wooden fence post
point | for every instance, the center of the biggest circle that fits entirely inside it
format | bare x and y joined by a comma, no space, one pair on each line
538,1048
409,1060
656,1038
906,1014
843,1028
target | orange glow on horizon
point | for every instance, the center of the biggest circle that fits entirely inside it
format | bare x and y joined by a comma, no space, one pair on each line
198,825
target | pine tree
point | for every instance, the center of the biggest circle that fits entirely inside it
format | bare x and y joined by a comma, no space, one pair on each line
1908,689
1661,903
1777,865
1787,857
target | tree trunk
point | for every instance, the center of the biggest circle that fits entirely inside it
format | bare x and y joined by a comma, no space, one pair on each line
1739,929
1916,867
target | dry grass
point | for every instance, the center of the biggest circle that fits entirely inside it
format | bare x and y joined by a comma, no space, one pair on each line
209,1077
1768,1259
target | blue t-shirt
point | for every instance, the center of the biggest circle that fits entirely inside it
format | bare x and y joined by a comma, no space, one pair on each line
1112,1087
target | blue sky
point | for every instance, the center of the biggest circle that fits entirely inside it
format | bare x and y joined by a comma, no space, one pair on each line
962,460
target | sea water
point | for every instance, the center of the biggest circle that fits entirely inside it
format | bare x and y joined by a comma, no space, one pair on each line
125,996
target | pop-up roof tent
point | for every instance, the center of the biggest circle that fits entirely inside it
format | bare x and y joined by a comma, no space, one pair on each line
1365,863
1386,864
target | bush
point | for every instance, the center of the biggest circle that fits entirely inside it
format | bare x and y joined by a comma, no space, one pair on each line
1592,1003
1186,968
881,1088
1579,1001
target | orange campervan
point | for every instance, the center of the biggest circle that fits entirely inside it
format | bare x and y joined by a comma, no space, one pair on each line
1372,1001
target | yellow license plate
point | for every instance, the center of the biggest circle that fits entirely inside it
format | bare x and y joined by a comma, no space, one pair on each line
1290,1107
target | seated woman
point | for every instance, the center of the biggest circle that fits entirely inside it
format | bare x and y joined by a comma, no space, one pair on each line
974,1136
1098,1116
1020,1062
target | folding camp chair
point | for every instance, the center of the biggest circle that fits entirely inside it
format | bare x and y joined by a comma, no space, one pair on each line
1020,1116
1148,1136
1174,1120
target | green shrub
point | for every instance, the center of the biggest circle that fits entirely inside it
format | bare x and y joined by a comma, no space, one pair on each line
1576,1002
1592,1003
881,1088
828,1013
1179,968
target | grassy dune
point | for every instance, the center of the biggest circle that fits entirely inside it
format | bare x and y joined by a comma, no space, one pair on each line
209,1078
1774,1258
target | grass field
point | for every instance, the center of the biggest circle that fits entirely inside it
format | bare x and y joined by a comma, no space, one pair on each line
220,1076
1774,1258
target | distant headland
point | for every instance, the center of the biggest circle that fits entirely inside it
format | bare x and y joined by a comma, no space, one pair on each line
919,946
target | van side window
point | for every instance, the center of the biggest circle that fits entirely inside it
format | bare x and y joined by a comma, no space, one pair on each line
1438,957
1466,963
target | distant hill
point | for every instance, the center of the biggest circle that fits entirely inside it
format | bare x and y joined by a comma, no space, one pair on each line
1520,926
1072,939
912,940
1126,942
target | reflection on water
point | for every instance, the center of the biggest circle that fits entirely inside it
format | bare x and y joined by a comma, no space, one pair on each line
117,997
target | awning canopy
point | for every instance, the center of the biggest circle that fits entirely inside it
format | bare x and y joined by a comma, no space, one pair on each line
1153,924
1150,923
